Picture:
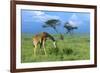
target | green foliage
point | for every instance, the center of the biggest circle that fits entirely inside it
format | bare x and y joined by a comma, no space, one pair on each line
52,23
74,47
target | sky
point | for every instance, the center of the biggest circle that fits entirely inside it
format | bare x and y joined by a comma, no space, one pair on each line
33,20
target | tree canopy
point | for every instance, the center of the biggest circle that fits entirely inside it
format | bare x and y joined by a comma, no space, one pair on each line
52,23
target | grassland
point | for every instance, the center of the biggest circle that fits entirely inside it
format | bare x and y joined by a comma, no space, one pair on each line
75,47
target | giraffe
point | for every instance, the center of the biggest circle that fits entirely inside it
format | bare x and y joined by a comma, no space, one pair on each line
41,39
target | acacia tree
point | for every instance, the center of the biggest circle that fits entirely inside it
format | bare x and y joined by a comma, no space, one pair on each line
53,23
69,27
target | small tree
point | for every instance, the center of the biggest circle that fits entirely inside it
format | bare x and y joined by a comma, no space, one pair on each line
69,27
53,23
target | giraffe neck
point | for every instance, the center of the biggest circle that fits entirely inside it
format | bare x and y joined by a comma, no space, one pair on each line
53,39
47,35
50,37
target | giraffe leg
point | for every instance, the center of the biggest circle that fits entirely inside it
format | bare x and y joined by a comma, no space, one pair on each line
44,47
35,51
35,44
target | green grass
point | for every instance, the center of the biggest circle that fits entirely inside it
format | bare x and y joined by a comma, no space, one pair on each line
76,47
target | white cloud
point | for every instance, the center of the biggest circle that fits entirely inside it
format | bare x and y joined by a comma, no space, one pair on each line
42,16
39,16
74,20
38,13
73,17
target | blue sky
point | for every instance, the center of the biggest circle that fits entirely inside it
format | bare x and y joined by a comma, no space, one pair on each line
32,21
